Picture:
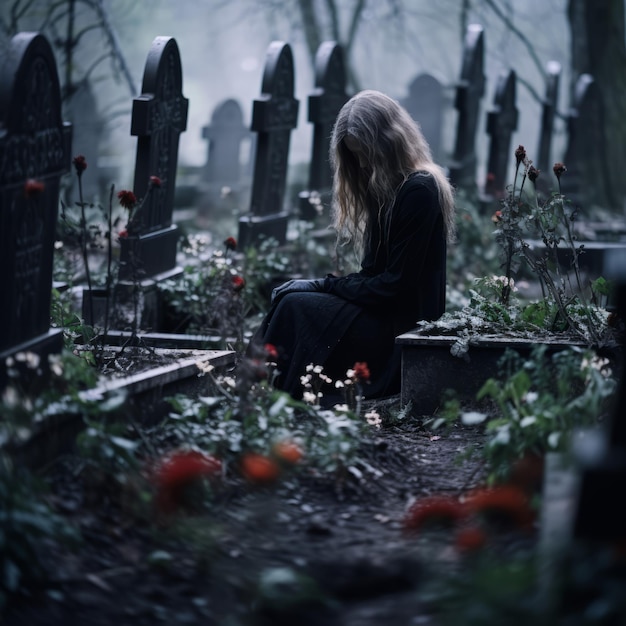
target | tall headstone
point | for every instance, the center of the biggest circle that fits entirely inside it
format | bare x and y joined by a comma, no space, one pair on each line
227,137
425,103
501,124
469,93
548,114
586,180
274,116
325,102
159,116
35,152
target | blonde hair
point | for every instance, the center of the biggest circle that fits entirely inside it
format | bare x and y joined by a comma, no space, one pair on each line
393,147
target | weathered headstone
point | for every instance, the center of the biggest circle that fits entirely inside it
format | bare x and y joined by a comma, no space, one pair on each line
586,176
600,513
425,103
501,123
35,153
228,137
548,114
159,117
274,116
325,102
469,93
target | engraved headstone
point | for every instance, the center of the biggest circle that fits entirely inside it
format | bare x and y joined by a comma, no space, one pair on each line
425,103
548,114
274,116
325,102
228,154
501,123
469,93
35,153
159,117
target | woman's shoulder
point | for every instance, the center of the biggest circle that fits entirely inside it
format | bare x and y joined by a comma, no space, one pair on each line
419,179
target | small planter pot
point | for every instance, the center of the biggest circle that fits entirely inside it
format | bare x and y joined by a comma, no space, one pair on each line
429,369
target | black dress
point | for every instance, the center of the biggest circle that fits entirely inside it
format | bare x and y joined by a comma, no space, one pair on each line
358,316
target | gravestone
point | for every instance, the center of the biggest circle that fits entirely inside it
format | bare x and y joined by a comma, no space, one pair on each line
274,116
501,123
469,93
586,175
159,117
325,102
223,175
35,152
425,103
548,113
600,514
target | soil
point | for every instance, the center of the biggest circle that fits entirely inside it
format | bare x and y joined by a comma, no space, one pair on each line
306,551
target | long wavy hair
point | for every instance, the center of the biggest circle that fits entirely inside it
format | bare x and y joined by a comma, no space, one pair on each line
390,147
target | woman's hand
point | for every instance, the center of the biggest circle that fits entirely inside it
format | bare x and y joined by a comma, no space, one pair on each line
290,286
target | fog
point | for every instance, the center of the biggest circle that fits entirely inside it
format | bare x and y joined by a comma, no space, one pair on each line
223,47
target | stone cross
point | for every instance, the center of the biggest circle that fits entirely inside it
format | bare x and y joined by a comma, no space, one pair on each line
159,117
548,113
586,180
274,116
225,176
501,123
425,103
35,152
325,102
225,135
469,93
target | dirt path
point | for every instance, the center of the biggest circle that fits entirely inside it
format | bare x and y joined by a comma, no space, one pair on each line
305,552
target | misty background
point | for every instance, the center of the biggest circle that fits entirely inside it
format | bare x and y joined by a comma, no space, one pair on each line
223,46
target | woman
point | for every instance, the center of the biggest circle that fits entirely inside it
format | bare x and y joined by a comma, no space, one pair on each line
396,206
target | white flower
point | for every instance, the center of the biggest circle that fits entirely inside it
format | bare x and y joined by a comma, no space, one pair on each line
373,419
530,397
318,369
350,373
305,380
229,382
10,397
339,384
469,418
341,408
204,366
309,367
309,397
527,421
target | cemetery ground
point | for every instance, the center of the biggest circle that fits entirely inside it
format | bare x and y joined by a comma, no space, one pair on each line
305,548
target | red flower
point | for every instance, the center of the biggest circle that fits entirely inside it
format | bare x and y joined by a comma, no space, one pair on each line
520,154
127,199
80,165
288,451
238,283
503,506
559,169
230,243
496,217
259,469
361,371
434,510
155,181
32,188
122,234
533,173
470,538
271,351
179,471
